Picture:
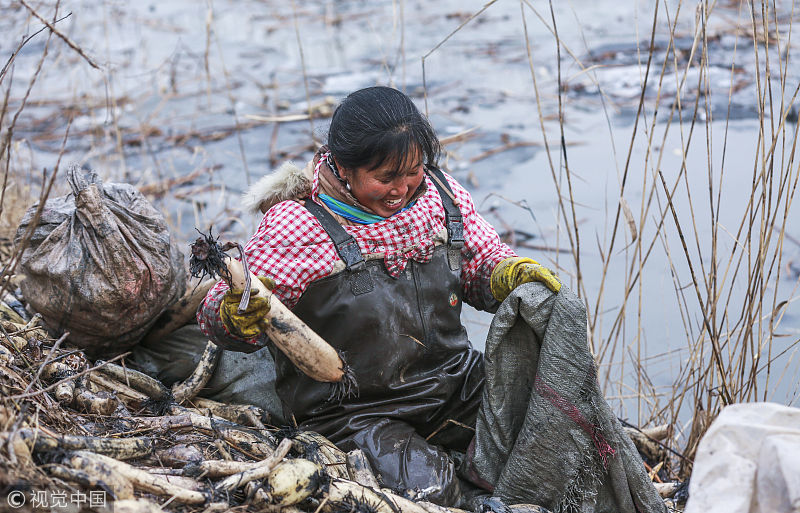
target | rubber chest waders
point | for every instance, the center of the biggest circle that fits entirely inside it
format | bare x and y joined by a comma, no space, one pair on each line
402,336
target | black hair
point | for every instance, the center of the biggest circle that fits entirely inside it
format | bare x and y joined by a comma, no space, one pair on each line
379,124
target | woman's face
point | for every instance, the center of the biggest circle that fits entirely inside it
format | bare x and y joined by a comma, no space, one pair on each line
386,189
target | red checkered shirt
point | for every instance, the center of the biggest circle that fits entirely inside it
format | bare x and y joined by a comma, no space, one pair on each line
291,247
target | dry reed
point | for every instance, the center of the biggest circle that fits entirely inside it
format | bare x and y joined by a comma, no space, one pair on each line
726,277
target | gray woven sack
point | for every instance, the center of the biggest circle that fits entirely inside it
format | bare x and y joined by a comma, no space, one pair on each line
100,264
545,435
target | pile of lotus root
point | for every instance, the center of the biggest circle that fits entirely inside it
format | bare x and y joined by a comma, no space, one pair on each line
107,437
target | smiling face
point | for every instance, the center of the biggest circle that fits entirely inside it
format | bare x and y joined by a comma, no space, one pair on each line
389,187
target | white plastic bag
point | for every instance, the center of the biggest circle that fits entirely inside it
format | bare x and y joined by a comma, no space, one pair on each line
748,462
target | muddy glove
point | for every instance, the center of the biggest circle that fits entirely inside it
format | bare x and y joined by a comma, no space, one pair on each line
252,322
513,272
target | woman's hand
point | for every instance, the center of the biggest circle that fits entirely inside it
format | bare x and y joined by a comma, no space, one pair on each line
253,321
513,272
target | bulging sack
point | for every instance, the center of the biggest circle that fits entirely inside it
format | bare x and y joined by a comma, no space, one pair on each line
100,264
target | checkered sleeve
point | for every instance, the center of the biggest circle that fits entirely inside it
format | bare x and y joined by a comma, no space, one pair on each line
482,251
290,247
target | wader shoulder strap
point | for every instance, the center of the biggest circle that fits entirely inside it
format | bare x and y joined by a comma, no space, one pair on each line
454,221
346,247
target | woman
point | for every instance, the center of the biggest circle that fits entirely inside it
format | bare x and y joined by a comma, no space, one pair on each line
392,307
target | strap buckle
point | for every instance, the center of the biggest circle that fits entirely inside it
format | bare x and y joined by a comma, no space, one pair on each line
455,232
350,253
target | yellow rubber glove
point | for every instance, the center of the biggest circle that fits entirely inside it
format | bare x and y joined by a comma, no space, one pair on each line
252,322
513,272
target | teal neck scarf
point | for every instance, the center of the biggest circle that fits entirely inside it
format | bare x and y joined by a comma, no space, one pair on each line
352,213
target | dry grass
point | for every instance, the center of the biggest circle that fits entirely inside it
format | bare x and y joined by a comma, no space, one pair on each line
726,285
726,277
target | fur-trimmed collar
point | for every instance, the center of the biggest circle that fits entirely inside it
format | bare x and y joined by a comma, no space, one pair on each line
289,182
